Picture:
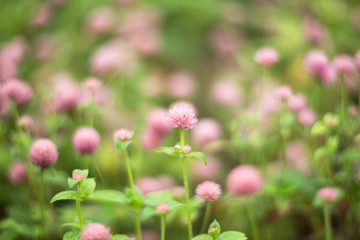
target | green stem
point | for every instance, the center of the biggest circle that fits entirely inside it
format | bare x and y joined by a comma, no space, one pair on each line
206,217
42,203
78,207
162,218
253,224
261,90
99,172
186,184
343,100
327,220
138,225
128,168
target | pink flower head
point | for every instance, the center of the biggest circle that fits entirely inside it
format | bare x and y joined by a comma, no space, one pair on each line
266,56
17,172
226,92
313,30
148,185
224,40
208,191
101,20
78,176
186,148
42,15
296,155
244,180
306,117
163,208
93,84
26,121
86,140
17,90
95,231
206,131
283,92
181,103
123,134
357,59
157,122
317,63
181,84
328,194
43,152
343,64
151,139
297,102
353,110
206,172
182,116
147,43
328,76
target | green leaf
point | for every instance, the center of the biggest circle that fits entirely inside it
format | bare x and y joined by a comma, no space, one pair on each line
73,235
66,195
232,235
87,187
198,155
72,182
121,237
202,237
318,129
147,212
154,198
172,151
110,196
122,145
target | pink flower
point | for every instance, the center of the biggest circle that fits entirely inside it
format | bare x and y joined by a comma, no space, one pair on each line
151,139
157,122
163,208
42,15
266,56
283,92
244,180
306,117
92,84
206,131
317,63
353,110
181,103
78,176
17,172
296,155
224,40
26,121
297,102
209,172
313,30
17,90
357,59
186,148
43,152
147,43
95,231
343,64
148,184
208,191
226,92
123,134
101,20
181,85
182,116
86,140
328,194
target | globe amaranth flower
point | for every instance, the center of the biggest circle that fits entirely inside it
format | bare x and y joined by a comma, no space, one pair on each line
182,116
95,231
306,117
266,56
328,194
206,131
343,63
244,180
78,176
297,102
43,152
92,84
162,208
283,92
17,172
86,140
20,91
26,121
208,191
123,134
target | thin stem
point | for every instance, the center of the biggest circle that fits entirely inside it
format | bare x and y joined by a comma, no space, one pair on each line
343,100
182,138
138,225
128,168
206,217
99,172
253,224
42,203
261,90
78,207
327,219
162,219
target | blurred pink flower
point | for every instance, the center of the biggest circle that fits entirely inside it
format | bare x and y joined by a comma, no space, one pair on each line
151,139
156,120
147,43
283,92
343,64
182,116
123,134
226,92
357,59
317,64
18,90
181,84
206,131
313,30
26,121
18,173
162,208
148,184
78,176
202,172
43,152
224,40
328,194
296,154
244,180
86,140
95,231
44,47
297,102
208,191
140,20
42,15
92,84
101,20
353,110
306,117
14,50
186,148
266,56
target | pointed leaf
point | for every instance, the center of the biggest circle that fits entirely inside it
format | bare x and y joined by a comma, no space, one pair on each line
66,195
110,196
202,237
122,145
87,187
232,235
172,151
198,155
73,235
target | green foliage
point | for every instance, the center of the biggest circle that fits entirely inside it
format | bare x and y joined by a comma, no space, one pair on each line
72,235
122,145
66,195
108,196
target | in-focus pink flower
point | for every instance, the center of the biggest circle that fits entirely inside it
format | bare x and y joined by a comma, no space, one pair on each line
182,116
92,84
226,92
283,92
157,122
244,180
343,64
297,102
43,152
206,131
162,208
18,173
181,84
266,56
86,140
208,191
95,231
78,176
20,91
306,117
328,194
123,134
26,121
